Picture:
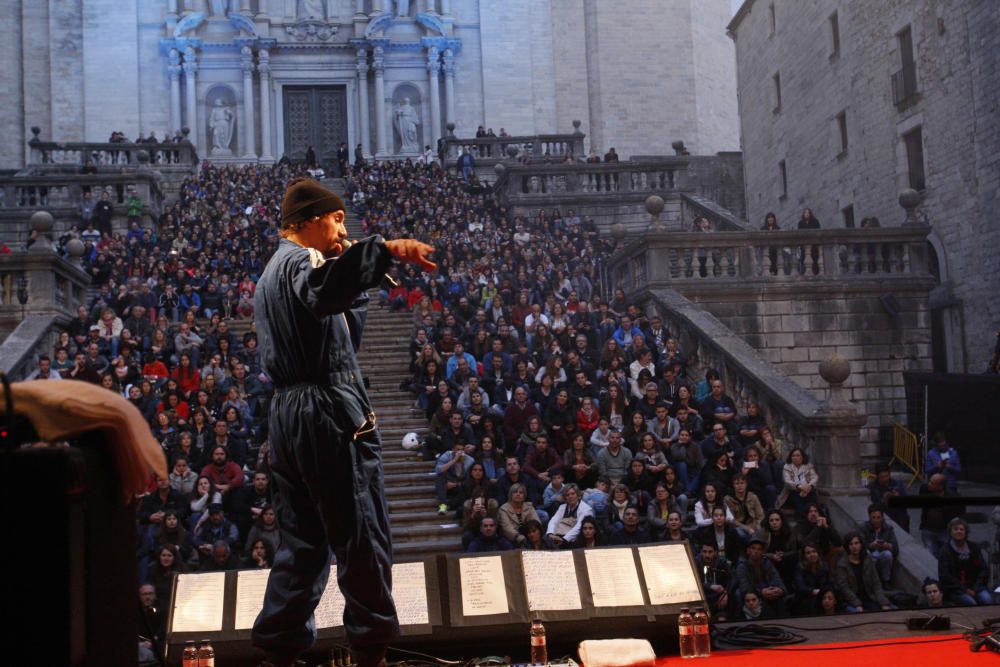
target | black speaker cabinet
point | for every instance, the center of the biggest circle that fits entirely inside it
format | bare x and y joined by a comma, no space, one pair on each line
69,569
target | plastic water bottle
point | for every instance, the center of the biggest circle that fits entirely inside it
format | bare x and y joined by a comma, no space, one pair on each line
206,654
539,649
189,658
702,639
685,633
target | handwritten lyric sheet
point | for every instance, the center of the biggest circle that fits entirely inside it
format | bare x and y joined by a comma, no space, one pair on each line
484,590
250,587
409,591
614,581
198,602
668,574
550,580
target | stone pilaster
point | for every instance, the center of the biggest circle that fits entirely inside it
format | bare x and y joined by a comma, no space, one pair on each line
363,112
191,89
449,85
378,63
264,72
433,79
249,141
174,70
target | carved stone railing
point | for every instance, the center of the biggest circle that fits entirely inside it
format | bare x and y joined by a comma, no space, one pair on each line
531,185
792,256
828,430
61,194
117,155
537,147
722,219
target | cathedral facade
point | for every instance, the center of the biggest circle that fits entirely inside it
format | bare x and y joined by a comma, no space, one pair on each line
255,80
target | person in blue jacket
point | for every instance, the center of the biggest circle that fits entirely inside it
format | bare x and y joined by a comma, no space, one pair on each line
325,450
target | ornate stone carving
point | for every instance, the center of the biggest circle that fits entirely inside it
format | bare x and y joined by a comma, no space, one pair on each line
314,10
220,125
378,60
405,121
243,24
174,64
190,60
431,22
189,23
311,30
246,60
362,62
433,63
264,62
449,63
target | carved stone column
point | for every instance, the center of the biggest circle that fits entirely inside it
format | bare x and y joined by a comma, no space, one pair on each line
449,85
446,7
174,70
433,77
249,140
191,90
378,62
363,109
264,72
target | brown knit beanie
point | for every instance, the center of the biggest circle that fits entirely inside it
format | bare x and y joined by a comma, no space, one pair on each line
304,199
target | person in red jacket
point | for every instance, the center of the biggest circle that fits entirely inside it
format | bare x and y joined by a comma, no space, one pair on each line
225,474
187,376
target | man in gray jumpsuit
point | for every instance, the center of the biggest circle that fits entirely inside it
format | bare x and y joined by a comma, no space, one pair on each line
325,452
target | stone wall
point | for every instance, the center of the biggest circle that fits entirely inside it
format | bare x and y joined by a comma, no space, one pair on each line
642,75
957,50
795,329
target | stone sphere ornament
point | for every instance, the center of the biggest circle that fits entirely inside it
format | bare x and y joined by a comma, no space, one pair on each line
42,222
835,369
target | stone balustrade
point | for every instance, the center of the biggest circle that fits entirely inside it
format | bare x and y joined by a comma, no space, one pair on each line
528,185
773,257
537,147
61,193
827,429
117,155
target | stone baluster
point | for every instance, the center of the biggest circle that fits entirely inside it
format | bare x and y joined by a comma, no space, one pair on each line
191,88
174,70
378,63
264,72
433,79
449,85
249,129
363,113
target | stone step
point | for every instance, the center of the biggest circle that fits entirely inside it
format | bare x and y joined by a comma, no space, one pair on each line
408,478
422,515
426,547
419,533
424,491
412,506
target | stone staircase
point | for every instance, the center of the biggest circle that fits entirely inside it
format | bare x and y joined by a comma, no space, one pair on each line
417,530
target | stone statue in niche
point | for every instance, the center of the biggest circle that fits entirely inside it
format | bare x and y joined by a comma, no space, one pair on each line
314,10
405,120
220,8
220,124
402,7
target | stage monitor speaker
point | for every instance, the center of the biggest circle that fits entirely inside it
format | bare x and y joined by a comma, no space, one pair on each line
70,596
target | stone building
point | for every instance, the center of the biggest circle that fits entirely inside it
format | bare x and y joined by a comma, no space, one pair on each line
844,103
254,80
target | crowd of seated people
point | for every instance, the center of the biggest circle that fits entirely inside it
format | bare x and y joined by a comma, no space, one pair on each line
557,419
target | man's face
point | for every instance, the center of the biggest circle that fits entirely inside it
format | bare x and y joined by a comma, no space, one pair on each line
884,477
456,420
740,485
719,431
708,554
631,517
327,233
615,439
488,527
260,482
219,457
661,413
147,595
755,552
716,388
44,366
513,467
220,554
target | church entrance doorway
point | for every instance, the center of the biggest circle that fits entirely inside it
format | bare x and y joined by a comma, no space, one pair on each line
316,117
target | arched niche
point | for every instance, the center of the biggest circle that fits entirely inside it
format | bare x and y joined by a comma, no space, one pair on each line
407,95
